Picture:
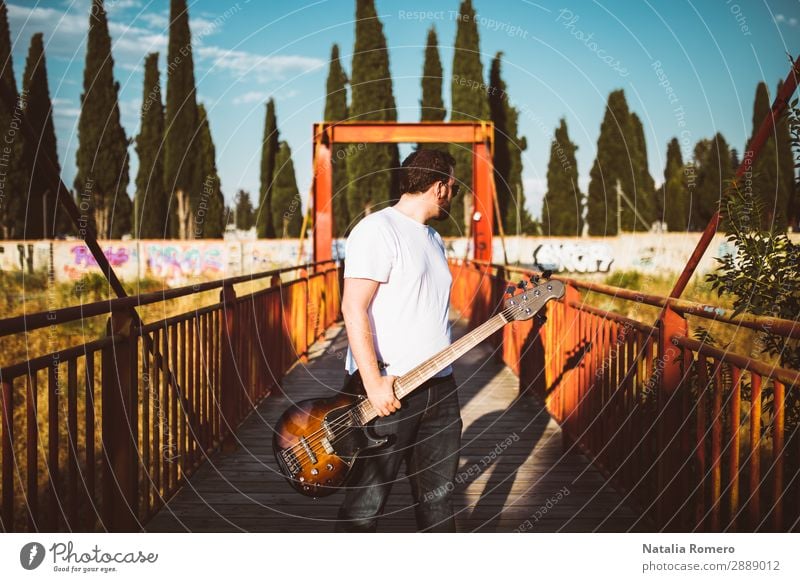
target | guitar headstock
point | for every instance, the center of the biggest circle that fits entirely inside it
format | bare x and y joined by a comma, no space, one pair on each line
527,304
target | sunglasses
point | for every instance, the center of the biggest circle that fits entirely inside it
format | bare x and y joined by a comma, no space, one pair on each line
454,188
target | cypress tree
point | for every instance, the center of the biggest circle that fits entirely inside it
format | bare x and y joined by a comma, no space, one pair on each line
468,103
562,211
644,185
209,207
674,196
15,185
700,156
180,144
517,216
620,157
735,162
102,156
269,150
336,110
39,113
286,209
498,112
508,147
372,180
599,216
712,158
432,105
766,180
786,174
150,199
244,211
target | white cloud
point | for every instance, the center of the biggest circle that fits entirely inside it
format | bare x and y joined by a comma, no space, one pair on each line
67,112
262,68
132,41
114,5
130,108
781,19
250,97
158,20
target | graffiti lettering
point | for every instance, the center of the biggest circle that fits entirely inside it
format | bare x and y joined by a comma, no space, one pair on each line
574,257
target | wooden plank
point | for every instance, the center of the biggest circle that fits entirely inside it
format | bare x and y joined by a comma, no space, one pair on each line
241,491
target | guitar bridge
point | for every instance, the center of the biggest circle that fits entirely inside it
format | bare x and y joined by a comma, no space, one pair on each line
291,461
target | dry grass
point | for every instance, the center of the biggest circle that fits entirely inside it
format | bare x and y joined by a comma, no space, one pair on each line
729,337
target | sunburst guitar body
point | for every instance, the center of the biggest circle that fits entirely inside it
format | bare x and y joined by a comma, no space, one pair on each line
316,441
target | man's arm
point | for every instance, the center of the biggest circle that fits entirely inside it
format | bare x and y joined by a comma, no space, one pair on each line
357,296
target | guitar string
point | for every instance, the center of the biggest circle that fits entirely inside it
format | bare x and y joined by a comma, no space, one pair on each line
316,437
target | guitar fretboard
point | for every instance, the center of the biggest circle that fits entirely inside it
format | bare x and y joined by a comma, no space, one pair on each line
407,383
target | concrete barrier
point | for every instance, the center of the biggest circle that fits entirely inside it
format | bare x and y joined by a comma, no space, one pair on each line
180,262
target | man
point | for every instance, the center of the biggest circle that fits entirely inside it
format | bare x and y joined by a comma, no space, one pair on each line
395,305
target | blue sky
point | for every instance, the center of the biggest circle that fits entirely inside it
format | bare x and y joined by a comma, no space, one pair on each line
689,69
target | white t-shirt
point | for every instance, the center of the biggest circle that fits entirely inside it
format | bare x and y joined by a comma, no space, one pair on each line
409,313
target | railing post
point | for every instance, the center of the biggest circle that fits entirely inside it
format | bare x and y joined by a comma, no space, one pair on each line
7,456
277,321
568,397
229,376
302,347
120,426
497,302
669,412
340,276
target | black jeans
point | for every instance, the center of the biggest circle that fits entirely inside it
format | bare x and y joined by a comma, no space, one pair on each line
426,432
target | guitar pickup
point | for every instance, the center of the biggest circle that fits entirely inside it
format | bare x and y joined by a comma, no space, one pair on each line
308,450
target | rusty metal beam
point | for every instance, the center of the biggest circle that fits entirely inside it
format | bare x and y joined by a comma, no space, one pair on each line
478,133
483,205
322,188
392,132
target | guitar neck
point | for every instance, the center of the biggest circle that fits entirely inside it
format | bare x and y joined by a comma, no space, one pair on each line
407,383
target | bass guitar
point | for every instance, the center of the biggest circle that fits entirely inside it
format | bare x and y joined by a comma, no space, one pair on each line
316,441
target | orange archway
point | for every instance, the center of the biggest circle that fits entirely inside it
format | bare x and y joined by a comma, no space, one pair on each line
480,134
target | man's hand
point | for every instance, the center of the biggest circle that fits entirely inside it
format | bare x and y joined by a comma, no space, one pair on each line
381,395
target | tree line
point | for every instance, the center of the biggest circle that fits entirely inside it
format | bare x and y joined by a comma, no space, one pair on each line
178,192
622,194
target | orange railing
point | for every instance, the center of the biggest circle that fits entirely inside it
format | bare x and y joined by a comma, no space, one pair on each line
98,436
697,438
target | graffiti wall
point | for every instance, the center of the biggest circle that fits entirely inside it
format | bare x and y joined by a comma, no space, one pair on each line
182,262
24,255
176,262
72,259
645,252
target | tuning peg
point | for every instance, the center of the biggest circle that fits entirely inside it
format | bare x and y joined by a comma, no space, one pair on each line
510,289
523,284
547,273
534,279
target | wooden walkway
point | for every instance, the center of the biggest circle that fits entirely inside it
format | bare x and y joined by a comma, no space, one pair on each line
532,485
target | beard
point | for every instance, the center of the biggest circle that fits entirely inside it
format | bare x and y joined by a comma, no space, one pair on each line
444,211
